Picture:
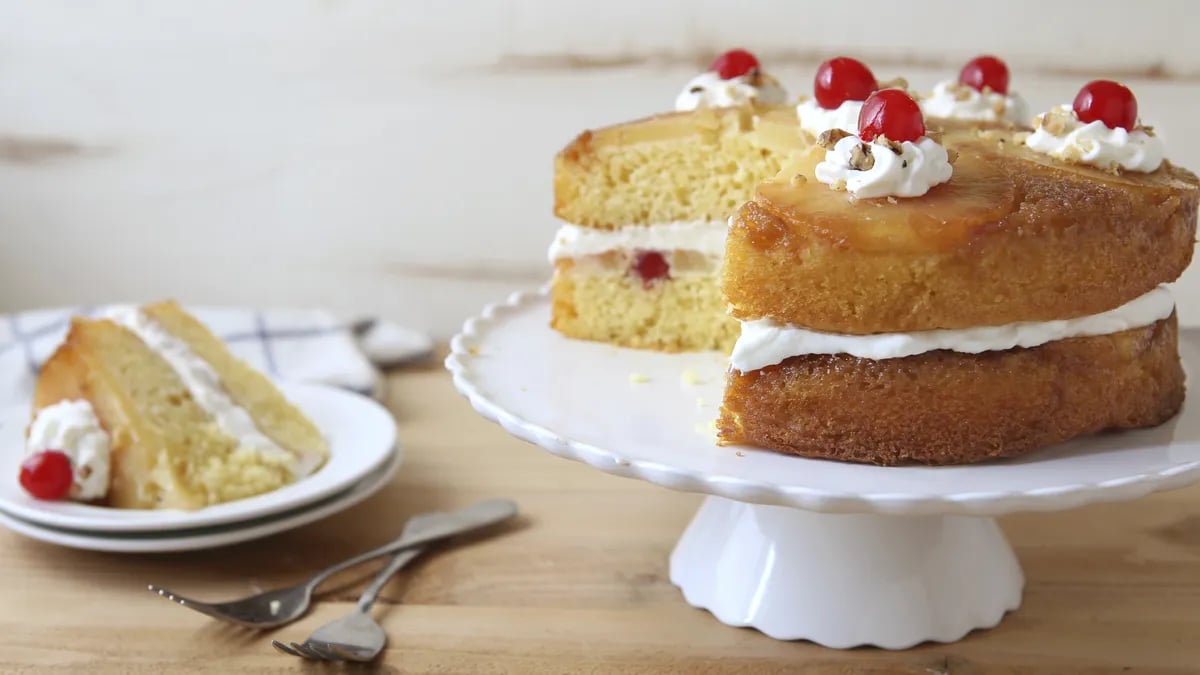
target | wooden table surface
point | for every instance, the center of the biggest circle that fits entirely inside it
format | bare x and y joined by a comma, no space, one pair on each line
579,584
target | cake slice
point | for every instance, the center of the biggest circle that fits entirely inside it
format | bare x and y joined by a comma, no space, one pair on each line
647,204
153,412
911,299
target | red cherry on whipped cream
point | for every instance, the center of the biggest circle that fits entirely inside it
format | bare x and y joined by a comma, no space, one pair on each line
651,266
842,79
985,71
891,113
734,63
1110,102
47,474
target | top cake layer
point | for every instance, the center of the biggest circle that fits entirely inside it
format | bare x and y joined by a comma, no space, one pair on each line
1013,236
677,167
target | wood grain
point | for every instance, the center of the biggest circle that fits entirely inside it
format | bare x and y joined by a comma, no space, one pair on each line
579,584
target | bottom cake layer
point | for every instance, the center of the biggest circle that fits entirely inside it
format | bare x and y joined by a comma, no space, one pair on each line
683,313
947,407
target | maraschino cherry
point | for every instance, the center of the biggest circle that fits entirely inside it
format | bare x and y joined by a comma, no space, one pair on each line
734,63
842,79
47,474
891,113
651,266
1110,102
985,71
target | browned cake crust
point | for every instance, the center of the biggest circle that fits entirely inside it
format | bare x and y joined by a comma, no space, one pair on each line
1014,236
950,408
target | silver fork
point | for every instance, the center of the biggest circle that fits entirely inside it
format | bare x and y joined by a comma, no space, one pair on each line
284,605
356,636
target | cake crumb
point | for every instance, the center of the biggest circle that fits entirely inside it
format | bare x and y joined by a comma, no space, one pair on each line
689,378
638,378
892,200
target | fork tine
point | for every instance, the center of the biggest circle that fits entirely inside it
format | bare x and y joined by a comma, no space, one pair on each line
183,601
343,652
279,646
324,649
307,652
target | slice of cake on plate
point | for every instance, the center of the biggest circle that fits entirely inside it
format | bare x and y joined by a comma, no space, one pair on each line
647,205
984,293
147,409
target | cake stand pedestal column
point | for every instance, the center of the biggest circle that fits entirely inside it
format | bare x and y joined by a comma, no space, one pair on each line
846,580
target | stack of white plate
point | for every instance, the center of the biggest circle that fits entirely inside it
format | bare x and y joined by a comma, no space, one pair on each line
363,458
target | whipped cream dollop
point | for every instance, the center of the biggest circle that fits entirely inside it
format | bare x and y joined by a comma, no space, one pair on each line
1060,134
816,120
953,99
707,237
204,385
708,90
71,427
911,172
764,342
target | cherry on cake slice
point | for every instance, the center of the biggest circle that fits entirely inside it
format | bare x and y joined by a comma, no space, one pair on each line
147,409
646,206
913,296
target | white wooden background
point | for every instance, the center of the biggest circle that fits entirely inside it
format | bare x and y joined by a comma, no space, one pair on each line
388,157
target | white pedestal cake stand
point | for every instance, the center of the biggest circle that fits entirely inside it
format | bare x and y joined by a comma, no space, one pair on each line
840,554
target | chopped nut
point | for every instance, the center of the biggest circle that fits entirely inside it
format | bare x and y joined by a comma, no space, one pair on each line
695,90
999,107
951,155
892,200
1058,121
1149,130
829,138
960,91
861,158
895,146
799,179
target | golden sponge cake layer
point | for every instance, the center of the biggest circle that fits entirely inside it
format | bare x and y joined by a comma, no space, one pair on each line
946,407
686,166
1013,236
686,313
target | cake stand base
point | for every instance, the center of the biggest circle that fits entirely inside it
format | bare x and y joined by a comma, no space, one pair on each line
846,580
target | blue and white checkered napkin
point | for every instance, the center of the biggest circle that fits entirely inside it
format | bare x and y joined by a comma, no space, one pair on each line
288,344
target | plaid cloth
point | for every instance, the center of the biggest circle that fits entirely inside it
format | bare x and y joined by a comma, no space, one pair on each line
287,344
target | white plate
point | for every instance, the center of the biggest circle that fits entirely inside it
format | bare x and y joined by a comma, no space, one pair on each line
361,436
635,413
210,537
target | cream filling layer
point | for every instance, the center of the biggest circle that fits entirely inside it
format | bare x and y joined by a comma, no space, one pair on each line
702,236
764,342
204,385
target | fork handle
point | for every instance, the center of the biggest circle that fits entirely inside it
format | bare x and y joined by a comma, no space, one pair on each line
385,575
440,526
